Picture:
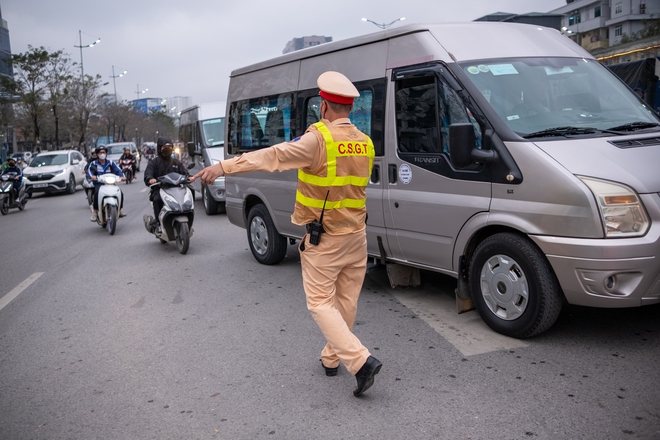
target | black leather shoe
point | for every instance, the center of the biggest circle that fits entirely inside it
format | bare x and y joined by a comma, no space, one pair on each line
330,371
365,377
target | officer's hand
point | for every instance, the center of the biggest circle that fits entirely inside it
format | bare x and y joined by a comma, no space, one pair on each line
209,174
152,181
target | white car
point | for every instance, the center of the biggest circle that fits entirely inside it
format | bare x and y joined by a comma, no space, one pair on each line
55,171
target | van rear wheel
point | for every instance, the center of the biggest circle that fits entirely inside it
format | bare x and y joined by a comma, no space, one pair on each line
266,244
513,286
210,205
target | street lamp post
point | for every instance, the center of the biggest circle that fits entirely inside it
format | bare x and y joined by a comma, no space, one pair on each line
81,47
137,91
113,76
384,25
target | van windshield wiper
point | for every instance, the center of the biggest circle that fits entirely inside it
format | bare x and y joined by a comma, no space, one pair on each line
561,131
633,126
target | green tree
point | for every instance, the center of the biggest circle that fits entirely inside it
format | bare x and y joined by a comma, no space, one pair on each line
30,84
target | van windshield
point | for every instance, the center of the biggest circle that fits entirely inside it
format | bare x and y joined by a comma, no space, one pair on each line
534,95
214,132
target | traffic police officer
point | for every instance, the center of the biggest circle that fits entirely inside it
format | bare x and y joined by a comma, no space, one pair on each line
334,161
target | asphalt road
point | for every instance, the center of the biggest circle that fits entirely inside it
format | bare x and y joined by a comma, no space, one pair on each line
121,337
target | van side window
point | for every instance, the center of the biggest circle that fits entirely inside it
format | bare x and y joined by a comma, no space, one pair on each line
416,120
260,122
360,115
453,110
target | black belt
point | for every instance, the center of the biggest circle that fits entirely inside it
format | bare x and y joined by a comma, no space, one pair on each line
308,227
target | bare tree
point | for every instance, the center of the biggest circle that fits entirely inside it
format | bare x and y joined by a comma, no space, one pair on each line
86,99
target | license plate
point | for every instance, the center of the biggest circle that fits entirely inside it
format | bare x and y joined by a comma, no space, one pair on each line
40,185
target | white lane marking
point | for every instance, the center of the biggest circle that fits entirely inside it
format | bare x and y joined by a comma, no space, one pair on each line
467,332
144,190
18,289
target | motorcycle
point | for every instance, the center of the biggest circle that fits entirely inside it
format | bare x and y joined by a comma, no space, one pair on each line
176,216
7,196
127,169
109,202
150,156
88,186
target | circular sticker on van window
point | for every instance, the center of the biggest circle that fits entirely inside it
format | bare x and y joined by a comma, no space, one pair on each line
405,174
473,70
483,68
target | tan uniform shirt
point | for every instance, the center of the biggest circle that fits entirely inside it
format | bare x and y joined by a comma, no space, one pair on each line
308,152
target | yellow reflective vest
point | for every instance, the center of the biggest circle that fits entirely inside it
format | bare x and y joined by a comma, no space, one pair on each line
344,181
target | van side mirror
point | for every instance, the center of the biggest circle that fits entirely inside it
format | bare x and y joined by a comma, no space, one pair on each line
190,146
463,151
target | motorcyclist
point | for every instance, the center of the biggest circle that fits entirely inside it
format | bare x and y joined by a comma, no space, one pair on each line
99,167
162,164
92,158
127,155
18,178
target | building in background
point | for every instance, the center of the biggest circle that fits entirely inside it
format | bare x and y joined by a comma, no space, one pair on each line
305,42
176,104
604,24
148,105
7,138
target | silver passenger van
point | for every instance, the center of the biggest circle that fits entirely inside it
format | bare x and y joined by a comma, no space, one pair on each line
506,157
201,131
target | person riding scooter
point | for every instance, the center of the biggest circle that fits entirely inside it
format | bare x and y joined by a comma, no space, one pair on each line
127,155
18,178
103,166
159,166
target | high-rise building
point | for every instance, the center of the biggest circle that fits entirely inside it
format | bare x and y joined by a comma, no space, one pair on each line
5,49
305,42
176,104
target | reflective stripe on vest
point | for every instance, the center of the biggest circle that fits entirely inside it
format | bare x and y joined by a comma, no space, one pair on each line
334,150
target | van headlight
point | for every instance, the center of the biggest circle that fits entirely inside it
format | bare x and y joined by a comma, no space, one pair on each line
621,209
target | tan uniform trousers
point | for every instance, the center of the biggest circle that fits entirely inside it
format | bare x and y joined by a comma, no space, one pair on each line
333,272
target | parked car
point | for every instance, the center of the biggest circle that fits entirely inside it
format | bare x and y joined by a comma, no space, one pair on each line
55,171
117,149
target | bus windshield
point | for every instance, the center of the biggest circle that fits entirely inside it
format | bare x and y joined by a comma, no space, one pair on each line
214,132
534,96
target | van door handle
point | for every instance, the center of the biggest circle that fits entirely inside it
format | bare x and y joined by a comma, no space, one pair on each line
375,174
391,172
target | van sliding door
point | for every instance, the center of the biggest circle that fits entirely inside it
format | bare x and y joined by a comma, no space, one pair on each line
428,201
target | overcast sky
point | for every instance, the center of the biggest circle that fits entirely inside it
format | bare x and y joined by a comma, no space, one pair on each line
189,47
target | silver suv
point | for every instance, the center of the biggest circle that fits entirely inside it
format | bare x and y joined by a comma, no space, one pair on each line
55,171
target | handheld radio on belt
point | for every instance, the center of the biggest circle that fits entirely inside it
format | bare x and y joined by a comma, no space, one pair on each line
316,227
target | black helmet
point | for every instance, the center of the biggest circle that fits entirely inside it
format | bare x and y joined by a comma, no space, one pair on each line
101,147
163,141
11,159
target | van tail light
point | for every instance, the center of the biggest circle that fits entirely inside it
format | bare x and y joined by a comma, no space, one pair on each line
621,210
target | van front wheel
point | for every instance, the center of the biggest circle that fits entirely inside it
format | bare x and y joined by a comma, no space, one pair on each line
266,244
513,286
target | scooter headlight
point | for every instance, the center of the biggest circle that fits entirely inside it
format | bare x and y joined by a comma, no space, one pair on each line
171,201
621,209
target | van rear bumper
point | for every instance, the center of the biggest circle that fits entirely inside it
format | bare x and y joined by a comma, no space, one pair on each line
606,272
